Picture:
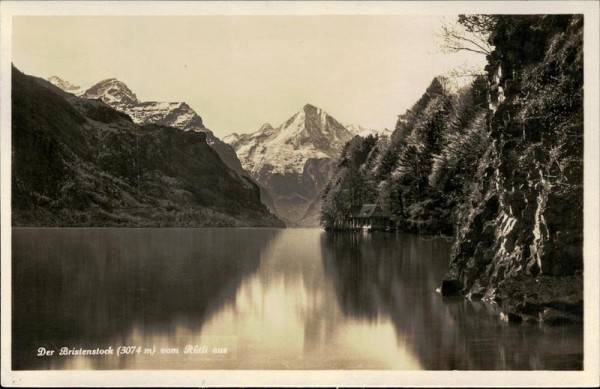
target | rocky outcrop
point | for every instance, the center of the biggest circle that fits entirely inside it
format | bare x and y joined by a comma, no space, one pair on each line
520,244
548,299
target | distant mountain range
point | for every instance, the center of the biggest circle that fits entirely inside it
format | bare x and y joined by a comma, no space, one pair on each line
179,115
295,160
290,163
79,162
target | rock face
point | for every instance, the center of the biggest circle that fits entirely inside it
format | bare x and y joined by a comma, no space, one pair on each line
521,241
294,161
79,162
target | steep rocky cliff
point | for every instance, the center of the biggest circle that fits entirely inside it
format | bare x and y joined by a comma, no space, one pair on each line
520,240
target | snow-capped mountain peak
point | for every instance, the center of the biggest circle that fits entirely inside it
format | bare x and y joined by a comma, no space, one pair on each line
359,130
65,85
293,160
313,128
309,133
112,92
173,114
117,94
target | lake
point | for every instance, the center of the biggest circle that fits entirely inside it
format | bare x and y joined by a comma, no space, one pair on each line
257,299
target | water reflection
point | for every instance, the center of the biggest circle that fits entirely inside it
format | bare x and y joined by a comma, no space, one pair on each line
275,299
95,287
286,317
394,276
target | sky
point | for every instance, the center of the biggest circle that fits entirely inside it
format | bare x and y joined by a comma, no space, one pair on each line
239,72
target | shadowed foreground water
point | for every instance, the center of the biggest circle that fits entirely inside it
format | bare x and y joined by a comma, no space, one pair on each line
258,299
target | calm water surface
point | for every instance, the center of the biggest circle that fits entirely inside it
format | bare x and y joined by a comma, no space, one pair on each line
258,299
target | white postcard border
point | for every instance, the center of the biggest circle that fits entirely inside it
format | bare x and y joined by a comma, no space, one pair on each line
590,376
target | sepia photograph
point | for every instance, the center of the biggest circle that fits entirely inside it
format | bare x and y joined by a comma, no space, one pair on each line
300,193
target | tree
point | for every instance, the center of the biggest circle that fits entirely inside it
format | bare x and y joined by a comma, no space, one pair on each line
469,33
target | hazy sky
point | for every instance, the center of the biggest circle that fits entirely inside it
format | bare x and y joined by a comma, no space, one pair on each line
239,72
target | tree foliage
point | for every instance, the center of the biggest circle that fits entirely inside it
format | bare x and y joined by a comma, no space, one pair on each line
450,156
403,171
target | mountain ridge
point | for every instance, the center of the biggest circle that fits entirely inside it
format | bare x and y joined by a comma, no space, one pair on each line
180,115
79,162
294,160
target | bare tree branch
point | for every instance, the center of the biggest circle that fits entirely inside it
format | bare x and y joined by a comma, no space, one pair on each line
469,33
458,48
481,45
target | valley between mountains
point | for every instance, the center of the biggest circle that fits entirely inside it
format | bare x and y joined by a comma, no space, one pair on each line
290,163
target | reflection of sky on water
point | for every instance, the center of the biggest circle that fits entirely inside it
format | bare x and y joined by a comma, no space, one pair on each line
276,299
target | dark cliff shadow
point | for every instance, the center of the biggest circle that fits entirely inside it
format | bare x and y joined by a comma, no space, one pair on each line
92,287
395,276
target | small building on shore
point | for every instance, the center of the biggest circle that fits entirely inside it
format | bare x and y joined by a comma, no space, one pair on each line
375,217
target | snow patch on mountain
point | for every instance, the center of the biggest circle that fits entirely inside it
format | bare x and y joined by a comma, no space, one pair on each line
66,85
358,130
294,160
113,92
117,95
309,134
